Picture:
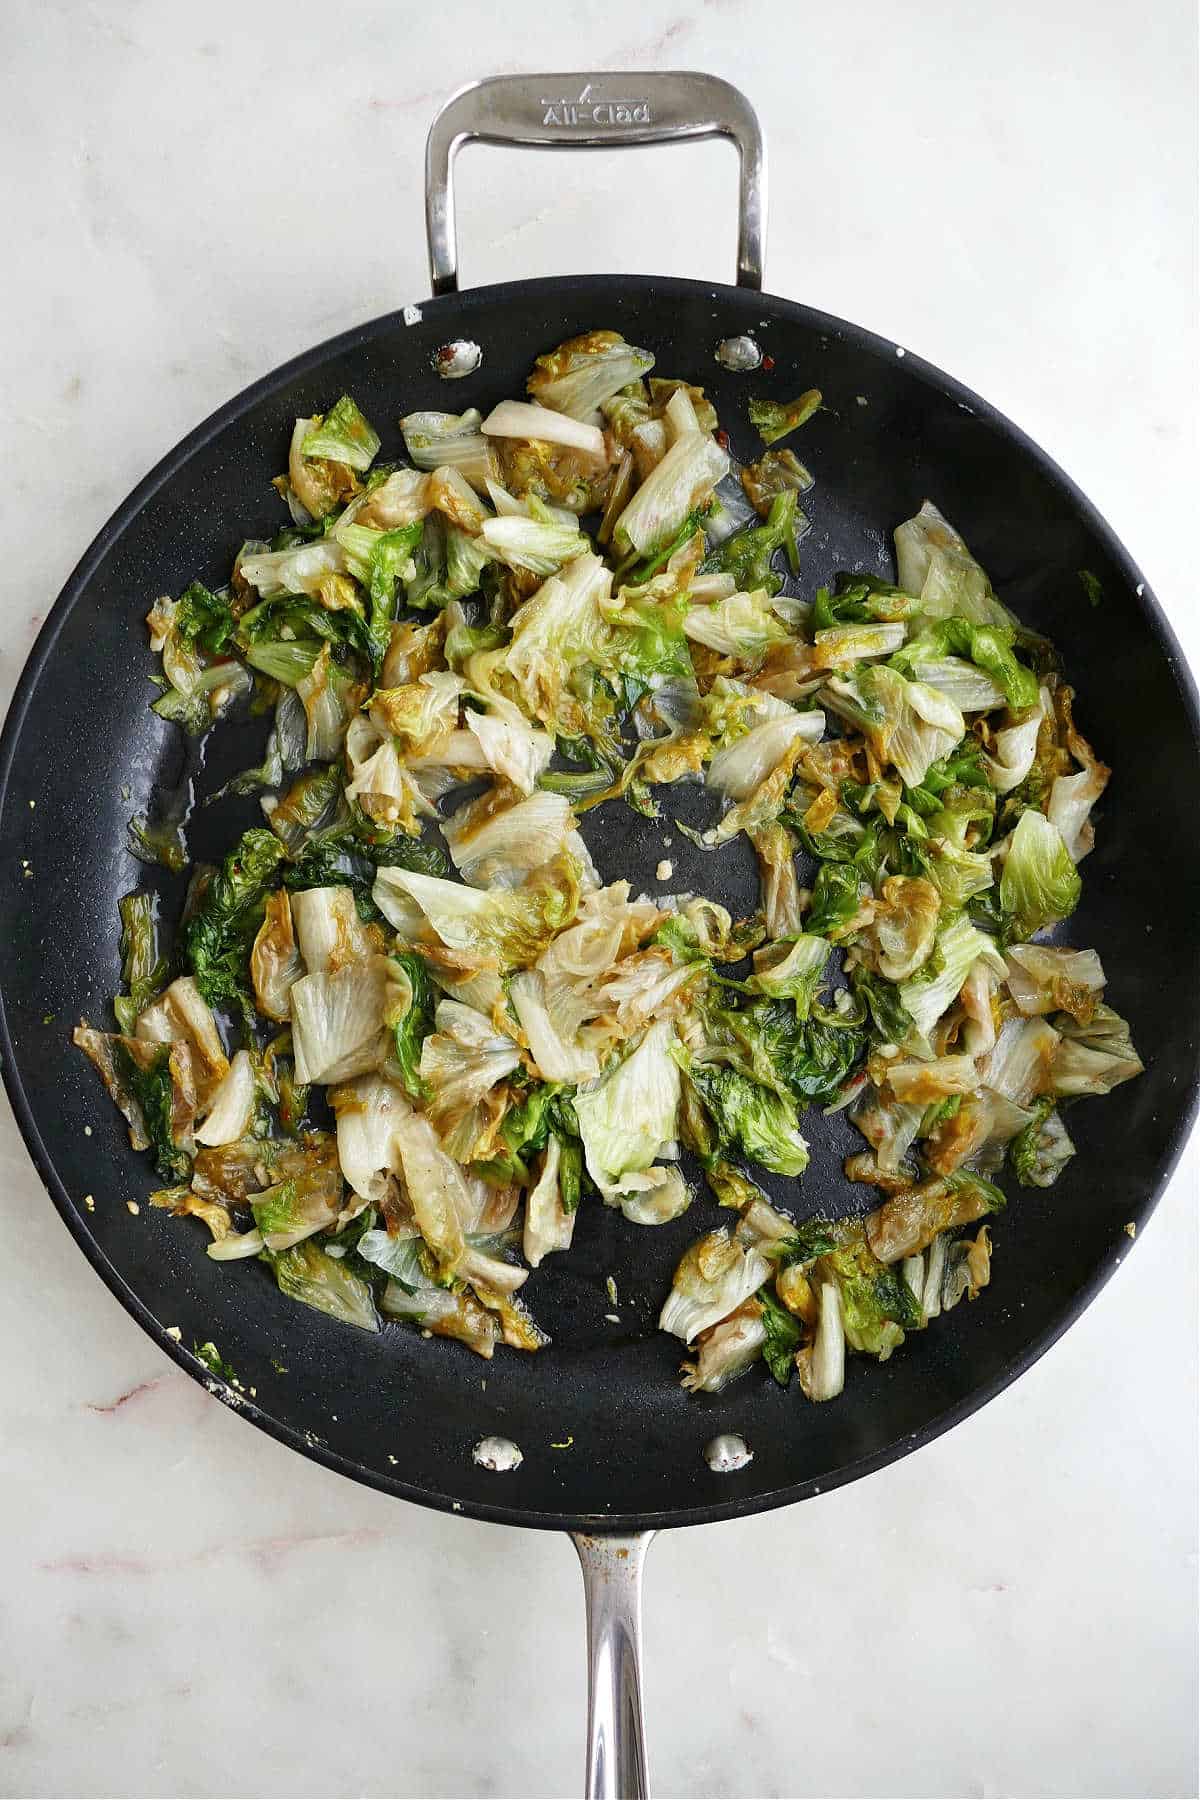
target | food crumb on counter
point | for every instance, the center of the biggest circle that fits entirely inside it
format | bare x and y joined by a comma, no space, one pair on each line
89,1200
133,1207
665,870
1131,1230
173,1331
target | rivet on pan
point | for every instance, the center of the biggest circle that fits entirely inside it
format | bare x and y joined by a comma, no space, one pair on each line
453,361
727,1454
497,1454
741,354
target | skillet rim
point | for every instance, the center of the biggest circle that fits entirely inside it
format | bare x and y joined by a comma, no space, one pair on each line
464,305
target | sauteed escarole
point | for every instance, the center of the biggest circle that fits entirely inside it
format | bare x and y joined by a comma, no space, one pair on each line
582,600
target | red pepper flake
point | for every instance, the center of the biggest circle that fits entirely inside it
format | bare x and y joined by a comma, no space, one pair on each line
768,363
723,438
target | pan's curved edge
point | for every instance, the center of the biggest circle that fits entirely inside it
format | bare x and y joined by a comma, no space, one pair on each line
458,306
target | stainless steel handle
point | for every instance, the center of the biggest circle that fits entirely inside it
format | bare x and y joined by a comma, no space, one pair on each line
568,112
612,1580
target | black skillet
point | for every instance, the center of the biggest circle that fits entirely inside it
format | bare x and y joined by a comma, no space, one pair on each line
613,1448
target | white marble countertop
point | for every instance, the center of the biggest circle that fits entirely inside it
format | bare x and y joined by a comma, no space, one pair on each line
193,194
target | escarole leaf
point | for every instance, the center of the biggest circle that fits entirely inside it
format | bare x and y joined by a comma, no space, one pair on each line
307,1273
389,563
204,618
1041,1151
152,1085
505,927
781,1337
684,478
933,562
911,1219
629,1115
973,664
713,1279
218,936
436,440
747,554
727,1350
792,971
338,1025
958,945
751,1118
742,626
584,372
907,723
344,436
410,1017
775,420
143,968
1039,884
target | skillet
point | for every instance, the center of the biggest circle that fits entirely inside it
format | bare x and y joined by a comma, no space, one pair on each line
613,1448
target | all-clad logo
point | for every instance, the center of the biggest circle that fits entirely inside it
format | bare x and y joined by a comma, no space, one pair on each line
590,109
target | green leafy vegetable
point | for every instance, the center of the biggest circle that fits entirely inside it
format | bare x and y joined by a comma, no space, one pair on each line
889,1015
783,1337
775,421
159,841
580,579
792,971
835,900
411,1026
1040,884
147,1075
344,436
1041,1151
143,967
220,932
751,1118
628,1116
747,554
857,600
878,1305
813,1238
215,1363
391,561
204,618
308,1274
